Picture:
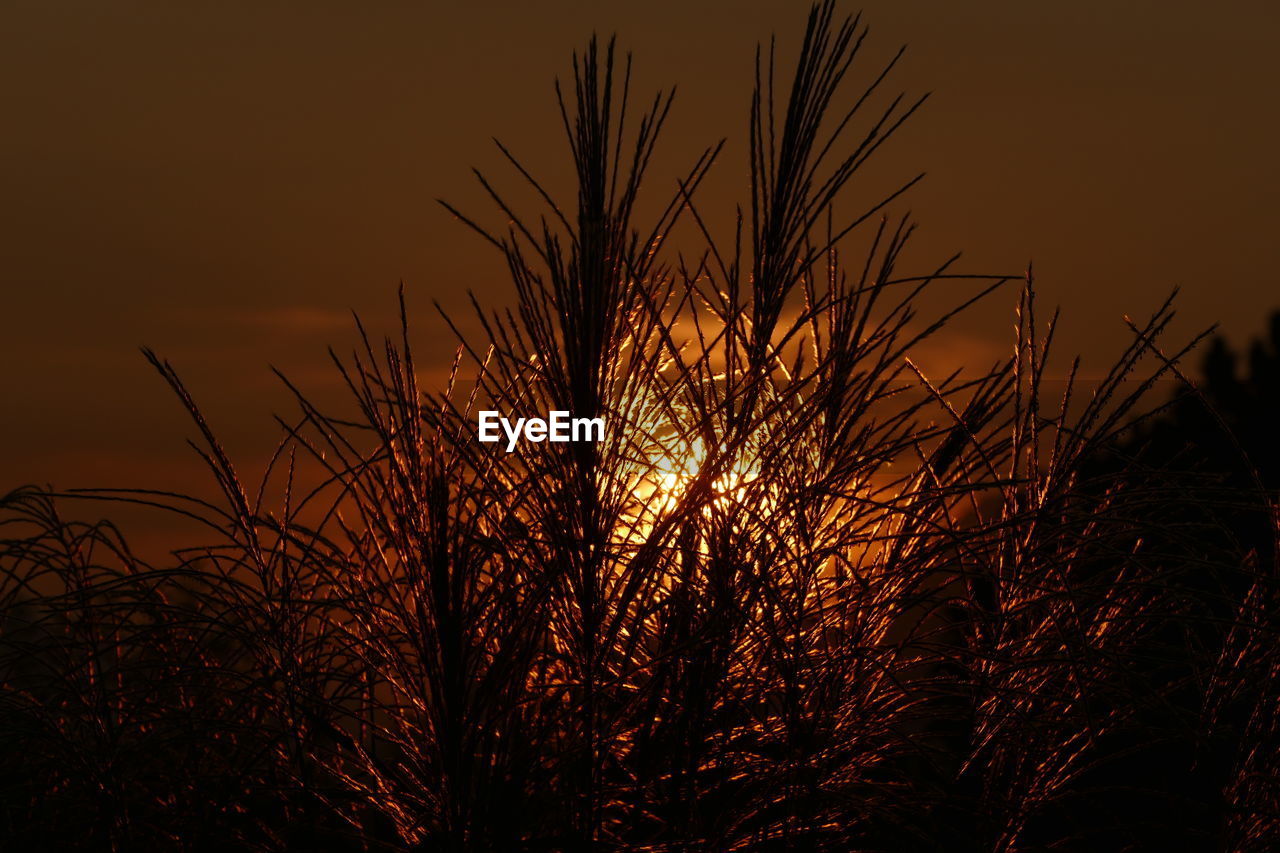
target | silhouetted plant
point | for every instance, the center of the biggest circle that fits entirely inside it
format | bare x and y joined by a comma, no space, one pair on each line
802,596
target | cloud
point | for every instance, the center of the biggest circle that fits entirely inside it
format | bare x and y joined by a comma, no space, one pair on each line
298,319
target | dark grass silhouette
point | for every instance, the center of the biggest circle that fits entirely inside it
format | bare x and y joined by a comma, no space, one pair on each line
801,597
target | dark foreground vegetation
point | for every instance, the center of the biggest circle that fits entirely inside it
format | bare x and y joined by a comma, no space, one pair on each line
802,597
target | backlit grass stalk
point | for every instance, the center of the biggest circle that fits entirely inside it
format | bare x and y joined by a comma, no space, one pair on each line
803,595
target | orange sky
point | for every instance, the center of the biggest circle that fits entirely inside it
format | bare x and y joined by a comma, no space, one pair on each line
223,181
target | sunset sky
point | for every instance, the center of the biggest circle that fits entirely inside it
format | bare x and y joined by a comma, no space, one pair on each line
224,181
